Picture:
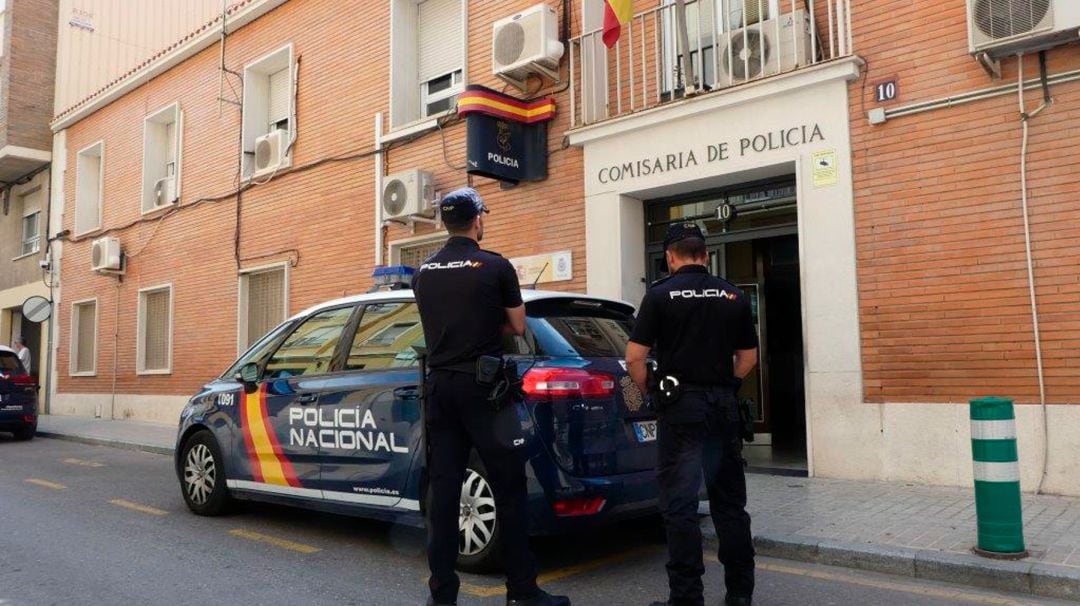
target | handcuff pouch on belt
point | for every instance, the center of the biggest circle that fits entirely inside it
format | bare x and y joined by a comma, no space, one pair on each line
501,376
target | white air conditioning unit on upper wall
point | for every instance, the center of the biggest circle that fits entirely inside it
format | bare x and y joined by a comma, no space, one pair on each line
106,255
1006,27
755,51
527,43
409,193
164,191
270,150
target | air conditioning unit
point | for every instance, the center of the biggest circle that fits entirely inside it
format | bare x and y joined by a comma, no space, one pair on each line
105,255
164,191
1005,27
755,51
270,150
527,43
408,194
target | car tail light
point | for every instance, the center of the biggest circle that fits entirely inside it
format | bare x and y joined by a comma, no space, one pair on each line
29,418
27,382
568,382
579,507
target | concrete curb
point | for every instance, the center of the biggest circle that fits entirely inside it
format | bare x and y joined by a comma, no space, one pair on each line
163,450
1046,580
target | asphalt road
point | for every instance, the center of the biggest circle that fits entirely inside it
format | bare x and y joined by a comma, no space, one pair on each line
94,525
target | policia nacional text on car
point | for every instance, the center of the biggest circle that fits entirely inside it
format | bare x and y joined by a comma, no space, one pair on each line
702,332
469,299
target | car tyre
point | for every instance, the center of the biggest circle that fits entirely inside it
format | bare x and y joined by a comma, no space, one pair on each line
26,433
202,476
479,542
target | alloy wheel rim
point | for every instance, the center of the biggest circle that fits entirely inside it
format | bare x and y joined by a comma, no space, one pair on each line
476,519
200,474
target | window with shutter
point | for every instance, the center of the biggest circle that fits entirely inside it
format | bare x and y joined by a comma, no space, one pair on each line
155,328
264,304
84,338
278,113
89,177
162,138
440,55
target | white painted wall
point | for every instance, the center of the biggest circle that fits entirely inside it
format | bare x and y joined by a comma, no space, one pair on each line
152,408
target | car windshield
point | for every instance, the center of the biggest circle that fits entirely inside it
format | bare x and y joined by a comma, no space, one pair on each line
9,364
590,329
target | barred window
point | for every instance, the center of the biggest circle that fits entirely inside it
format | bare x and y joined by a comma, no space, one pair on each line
155,330
84,338
415,254
262,304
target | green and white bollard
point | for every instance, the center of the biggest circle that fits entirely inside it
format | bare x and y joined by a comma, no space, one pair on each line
997,479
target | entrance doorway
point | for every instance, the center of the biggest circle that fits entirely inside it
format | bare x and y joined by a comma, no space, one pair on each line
758,251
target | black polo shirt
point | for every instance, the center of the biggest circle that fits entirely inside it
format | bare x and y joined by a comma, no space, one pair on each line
463,293
695,322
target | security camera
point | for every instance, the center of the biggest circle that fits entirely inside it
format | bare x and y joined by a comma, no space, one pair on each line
44,264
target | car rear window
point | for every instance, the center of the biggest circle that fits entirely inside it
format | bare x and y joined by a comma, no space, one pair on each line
9,364
590,329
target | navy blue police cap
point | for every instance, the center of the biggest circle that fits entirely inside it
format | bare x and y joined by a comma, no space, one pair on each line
682,231
462,205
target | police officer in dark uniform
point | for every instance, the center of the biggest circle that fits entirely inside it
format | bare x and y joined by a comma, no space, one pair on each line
701,330
469,299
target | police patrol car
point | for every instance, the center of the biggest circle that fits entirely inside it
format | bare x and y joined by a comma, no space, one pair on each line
324,412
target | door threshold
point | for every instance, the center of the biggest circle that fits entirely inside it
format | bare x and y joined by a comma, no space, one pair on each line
778,471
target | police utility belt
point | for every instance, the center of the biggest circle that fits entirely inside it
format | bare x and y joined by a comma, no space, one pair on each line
498,374
666,389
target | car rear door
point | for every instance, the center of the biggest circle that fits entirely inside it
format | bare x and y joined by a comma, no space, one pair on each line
280,421
372,409
18,395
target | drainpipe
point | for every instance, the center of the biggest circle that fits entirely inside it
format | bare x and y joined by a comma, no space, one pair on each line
378,190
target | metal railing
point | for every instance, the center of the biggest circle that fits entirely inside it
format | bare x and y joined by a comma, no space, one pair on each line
730,42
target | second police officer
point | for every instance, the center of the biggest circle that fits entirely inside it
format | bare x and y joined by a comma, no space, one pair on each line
702,333
469,299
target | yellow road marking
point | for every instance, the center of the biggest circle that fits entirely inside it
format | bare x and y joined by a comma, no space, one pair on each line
83,463
154,511
482,591
276,542
46,483
934,592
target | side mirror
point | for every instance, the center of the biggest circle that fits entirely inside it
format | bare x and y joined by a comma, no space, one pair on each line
249,376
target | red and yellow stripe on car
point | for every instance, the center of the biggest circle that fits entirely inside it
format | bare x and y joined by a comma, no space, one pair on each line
268,462
480,99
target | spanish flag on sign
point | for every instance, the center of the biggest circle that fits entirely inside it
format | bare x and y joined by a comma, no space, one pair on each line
616,13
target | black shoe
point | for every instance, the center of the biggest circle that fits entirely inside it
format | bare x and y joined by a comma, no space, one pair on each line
541,599
737,600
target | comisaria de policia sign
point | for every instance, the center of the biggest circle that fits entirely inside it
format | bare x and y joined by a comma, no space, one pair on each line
507,137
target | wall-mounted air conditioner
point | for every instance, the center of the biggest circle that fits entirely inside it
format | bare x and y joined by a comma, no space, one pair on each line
764,49
270,150
164,191
527,43
409,193
105,255
1006,27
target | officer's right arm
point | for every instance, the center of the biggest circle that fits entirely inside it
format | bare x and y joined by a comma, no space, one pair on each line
511,297
746,342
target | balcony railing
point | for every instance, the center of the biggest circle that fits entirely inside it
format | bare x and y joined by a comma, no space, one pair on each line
730,42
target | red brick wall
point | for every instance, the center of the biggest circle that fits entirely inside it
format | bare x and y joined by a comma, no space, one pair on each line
327,213
942,275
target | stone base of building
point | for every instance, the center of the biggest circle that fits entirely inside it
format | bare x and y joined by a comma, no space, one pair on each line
134,407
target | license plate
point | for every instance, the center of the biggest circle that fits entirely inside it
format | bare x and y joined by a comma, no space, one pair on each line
645,431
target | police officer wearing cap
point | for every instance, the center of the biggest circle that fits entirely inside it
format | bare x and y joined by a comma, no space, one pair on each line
702,333
469,299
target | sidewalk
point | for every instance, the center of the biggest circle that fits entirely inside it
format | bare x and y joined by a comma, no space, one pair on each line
912,530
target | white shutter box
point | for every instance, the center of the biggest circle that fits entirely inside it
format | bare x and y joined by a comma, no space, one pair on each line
441,38
279,96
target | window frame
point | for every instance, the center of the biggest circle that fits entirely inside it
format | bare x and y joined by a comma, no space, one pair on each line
140,336
36,239
73,346
405,79
242,301
455,89
396,246
100,143
146,204
250,132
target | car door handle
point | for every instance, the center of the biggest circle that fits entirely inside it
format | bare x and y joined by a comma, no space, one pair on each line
308,398
407,393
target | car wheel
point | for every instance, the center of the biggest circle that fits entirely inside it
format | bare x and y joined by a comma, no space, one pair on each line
478,532
203,475
26,433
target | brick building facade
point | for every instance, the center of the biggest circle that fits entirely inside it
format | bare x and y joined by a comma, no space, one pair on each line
888,260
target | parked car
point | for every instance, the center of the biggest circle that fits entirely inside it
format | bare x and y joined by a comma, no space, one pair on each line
18,396
324,412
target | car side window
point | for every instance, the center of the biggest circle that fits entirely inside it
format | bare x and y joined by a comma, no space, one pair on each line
385,337
310,348
260,350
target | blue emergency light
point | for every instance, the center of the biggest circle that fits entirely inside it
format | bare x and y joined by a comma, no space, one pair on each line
392,277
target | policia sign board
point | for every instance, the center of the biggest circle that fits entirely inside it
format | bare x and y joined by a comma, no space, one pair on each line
507,137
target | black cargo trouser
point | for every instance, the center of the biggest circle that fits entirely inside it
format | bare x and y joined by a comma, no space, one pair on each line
686,447
458,420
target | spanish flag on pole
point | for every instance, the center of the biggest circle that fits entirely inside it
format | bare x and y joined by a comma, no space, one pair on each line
616,13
